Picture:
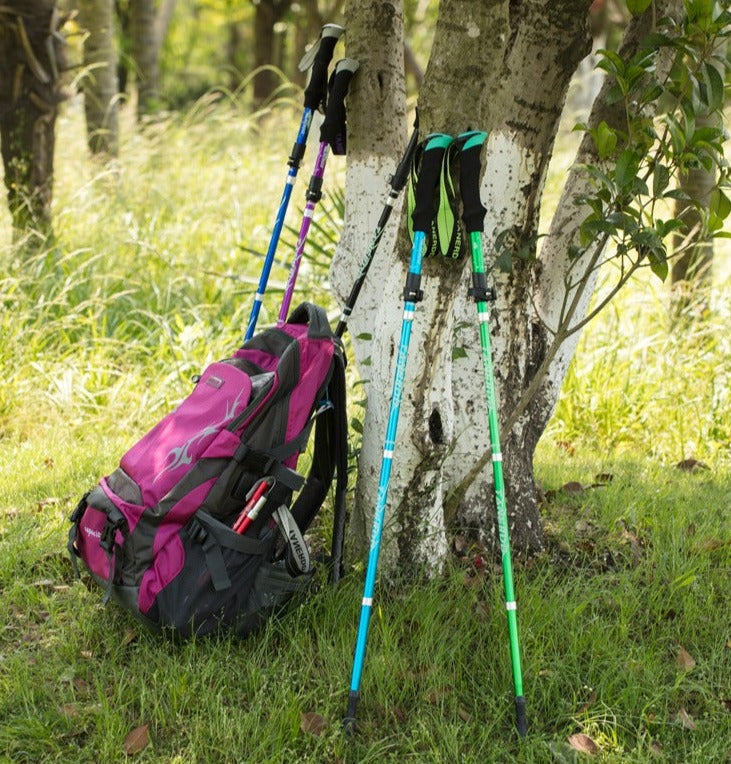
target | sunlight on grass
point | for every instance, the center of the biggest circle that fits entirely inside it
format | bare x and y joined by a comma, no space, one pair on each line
151,276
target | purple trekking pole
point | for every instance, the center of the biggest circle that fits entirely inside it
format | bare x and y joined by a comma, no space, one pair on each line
332,137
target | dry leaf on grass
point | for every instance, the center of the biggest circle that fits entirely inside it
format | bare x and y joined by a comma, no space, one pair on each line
686,662
137,740
583,743
313,723
684,719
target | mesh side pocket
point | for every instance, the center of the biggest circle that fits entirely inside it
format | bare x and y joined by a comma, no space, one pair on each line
216,579
271,592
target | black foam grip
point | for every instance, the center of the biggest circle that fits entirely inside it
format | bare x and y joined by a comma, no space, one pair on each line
431,165
469,186
333,129
316,90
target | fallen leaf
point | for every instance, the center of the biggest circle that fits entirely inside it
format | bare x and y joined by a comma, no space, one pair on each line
583,743
312,723
50,501
566,446
726,703
656,748
603,478
86,654
691,465
464,714
685,719
460,544
69,709
137,740
686,662
572,487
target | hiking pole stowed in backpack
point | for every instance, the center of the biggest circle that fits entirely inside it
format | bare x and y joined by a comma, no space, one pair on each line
397,182
434,149
318,58
473,216
332,137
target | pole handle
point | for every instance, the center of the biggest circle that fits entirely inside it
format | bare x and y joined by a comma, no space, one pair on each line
318,59
431,164
333,129
474,212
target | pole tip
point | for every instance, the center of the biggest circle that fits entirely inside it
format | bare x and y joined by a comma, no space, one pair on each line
521,720
349,723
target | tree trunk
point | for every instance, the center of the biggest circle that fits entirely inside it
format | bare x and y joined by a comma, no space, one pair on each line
504,67
145,54
267,14
31,59
100,81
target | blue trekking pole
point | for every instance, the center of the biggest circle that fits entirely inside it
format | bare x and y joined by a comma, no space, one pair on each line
473,216
436,145
318,58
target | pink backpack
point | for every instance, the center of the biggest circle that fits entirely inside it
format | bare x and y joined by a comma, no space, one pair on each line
196,529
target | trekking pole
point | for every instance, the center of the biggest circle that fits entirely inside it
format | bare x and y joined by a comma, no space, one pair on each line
436,145
473,215
397,182
332,136
318,59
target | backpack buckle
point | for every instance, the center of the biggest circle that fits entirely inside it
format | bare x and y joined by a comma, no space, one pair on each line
106,540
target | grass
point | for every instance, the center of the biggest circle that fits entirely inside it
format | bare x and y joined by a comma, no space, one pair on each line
624,618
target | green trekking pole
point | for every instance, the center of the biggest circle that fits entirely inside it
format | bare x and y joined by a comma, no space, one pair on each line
473,215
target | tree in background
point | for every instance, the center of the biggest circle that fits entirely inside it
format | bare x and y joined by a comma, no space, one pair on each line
99,80
31,63
504,66
691,271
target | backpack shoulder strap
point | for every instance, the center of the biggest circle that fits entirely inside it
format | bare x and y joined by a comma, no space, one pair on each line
330,457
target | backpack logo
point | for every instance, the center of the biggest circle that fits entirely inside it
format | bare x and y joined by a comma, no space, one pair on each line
181,454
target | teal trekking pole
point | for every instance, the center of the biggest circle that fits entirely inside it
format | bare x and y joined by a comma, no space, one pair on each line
436,145
473,215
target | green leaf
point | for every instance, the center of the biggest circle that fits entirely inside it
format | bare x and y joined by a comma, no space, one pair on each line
458,353
356,425
636,7
660,179
626,170
605,140
720,204
658,265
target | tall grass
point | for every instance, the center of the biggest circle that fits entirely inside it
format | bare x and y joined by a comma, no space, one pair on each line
151,276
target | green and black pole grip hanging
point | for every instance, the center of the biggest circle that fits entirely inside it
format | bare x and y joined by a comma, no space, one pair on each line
473,215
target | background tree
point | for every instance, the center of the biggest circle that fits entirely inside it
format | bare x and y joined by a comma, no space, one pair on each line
505,67
31,62
100,84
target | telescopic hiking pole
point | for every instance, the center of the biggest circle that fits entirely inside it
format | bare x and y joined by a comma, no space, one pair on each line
473,215
397,183
332,136
318,58
436,145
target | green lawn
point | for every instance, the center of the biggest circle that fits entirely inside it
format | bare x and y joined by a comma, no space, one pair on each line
624,619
